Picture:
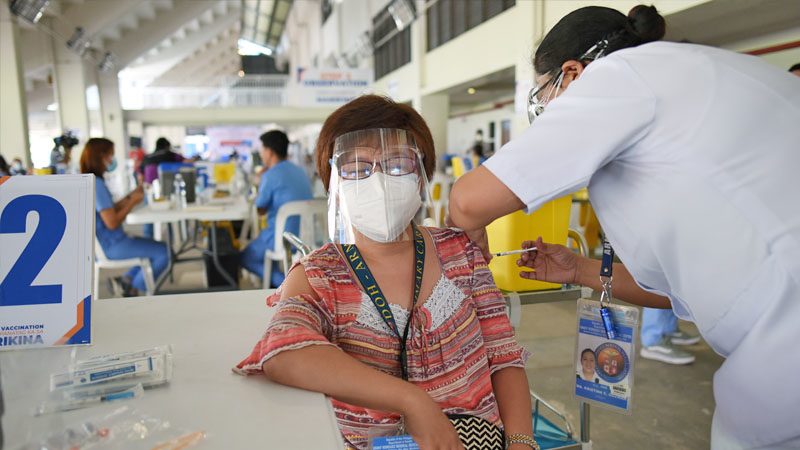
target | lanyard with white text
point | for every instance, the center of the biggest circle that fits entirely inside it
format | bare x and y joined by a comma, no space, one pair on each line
370,285
606,270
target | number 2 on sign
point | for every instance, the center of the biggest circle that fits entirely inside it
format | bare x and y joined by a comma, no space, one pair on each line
17,288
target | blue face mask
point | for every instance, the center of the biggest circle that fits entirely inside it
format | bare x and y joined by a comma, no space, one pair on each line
111,167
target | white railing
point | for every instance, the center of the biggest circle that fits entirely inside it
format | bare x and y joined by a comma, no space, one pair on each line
251,90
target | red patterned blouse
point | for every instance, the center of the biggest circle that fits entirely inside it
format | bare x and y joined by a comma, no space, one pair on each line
461,333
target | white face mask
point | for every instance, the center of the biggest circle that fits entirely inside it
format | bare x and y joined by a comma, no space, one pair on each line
381,206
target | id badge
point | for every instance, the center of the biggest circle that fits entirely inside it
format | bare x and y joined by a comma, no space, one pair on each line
390,437
603,365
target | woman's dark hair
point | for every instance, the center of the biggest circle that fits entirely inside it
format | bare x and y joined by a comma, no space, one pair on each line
277,141
4,165
94,154
163,144
579,30
367,112
794,67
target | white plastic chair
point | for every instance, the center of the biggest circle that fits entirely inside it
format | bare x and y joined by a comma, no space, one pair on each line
313,216
102,262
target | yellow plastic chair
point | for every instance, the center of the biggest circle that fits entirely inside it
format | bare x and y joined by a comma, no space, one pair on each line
43,171
223,172
459,168
551,222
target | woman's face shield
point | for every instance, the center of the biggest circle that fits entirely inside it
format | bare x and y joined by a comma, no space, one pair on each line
377,186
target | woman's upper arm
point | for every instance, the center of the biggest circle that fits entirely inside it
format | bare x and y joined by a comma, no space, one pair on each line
296,283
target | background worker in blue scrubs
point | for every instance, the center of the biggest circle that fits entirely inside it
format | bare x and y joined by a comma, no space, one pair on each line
661,335
282,182
98,158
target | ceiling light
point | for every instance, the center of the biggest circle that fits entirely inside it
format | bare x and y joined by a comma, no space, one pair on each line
250,48
402,12
471,91
29,10
107,62
52,107
241,73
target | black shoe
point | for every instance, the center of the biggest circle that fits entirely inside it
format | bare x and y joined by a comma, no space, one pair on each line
126,286
115,286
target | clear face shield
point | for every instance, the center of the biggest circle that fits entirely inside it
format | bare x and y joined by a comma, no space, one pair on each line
377,186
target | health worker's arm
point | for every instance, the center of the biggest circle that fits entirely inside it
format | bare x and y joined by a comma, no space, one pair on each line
601,114
558,264
329,370
113,214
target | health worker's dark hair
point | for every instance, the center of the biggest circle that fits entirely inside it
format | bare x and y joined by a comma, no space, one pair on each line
579,30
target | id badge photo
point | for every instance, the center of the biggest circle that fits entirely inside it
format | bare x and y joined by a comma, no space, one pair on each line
604,362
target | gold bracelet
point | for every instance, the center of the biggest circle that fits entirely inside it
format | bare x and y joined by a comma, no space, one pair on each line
522,439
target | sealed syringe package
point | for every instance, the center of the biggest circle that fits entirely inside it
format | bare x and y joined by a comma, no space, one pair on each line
107,378
149,368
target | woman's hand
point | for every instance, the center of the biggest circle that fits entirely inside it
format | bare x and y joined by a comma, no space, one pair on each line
550,262
429,427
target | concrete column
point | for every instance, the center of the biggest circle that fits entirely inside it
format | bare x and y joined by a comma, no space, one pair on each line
114,124
531,33
435,109
14,141
70,87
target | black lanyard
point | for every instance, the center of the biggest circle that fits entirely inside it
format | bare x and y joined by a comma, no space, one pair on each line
606,270
364,275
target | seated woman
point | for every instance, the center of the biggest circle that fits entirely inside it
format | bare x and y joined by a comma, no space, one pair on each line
442,345
98,158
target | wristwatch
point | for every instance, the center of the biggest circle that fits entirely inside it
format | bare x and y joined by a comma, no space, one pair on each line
522,439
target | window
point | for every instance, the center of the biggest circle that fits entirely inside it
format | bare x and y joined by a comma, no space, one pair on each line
327,9
448,19
392,47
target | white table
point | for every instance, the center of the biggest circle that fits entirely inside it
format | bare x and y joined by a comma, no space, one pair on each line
232,208
217,209
210,333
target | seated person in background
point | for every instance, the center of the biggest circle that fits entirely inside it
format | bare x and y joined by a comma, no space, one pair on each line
17,168
282,182
148,169
452,351
4,169
98,158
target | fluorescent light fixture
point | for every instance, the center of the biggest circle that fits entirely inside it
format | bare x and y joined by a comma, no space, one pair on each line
250,48
52,107
29,10
402,12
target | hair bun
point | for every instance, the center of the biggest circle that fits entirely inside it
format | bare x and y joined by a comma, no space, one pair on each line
647,23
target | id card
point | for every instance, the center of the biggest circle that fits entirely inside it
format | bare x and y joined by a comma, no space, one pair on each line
402,442
603,366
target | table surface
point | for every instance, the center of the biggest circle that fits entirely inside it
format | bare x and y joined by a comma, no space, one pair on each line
209,333
227,209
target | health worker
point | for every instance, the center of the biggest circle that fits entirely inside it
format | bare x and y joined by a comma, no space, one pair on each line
691,156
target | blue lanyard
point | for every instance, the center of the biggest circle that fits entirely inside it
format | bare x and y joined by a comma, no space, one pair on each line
606,271
370,285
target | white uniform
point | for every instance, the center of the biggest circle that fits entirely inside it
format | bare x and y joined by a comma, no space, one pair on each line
692,159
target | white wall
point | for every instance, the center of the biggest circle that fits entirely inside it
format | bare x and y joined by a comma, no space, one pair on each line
461,130
782,59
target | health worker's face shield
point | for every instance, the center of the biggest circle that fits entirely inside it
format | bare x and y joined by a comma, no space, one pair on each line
377,186
541,94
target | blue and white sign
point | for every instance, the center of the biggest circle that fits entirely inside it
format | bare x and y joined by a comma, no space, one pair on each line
46,260
604,367
329,87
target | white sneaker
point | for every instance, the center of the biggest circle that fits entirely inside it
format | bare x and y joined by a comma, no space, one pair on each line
666,353
683,338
